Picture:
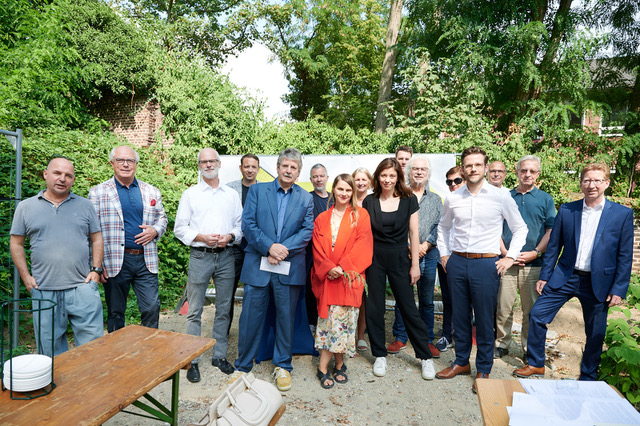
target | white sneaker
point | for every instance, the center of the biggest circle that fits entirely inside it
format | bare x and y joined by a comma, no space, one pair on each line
428,370
380,366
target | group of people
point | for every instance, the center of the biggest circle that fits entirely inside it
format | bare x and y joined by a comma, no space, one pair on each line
321,250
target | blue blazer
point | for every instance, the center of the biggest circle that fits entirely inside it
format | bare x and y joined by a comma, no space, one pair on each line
612,254
259,225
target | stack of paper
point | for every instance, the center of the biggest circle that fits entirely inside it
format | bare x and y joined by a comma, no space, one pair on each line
570,402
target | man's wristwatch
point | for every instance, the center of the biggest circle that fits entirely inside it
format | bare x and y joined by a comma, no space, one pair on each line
538,252
97,269
233,238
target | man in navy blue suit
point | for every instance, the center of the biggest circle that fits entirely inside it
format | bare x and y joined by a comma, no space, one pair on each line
595,237
277,222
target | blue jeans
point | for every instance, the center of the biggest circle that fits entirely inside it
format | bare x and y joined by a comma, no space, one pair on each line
81,306
202,267
426,283
134,273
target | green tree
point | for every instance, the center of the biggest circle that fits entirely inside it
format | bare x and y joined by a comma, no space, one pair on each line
60,56
212,28
332,52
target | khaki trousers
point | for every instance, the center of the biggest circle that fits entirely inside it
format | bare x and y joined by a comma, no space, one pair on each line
517,278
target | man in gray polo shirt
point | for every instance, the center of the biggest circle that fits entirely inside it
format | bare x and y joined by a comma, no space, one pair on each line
61,227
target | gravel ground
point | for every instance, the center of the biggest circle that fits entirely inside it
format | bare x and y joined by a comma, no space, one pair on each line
402,397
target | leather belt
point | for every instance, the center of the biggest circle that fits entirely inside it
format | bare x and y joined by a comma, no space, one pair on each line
216,250
134,251
580,273
476,255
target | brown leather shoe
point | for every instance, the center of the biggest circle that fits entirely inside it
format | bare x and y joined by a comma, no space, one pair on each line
529,371
478,376
453,371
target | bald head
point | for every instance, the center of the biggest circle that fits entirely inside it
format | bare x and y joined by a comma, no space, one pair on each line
60,177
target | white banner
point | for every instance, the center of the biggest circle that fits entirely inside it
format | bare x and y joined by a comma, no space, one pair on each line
335,165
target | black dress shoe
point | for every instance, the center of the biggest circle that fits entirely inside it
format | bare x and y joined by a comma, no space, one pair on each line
223,365
193,373
500,352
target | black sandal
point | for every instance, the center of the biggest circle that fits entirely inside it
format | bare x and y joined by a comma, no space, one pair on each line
340,372
323,378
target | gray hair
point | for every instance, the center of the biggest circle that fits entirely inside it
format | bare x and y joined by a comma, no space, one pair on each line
317,166
112,154
290,154
529,158
407,169
200,152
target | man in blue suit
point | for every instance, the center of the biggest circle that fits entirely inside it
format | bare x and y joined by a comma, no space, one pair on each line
277,222
595,237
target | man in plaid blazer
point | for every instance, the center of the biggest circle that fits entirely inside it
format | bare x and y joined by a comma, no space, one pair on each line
132,220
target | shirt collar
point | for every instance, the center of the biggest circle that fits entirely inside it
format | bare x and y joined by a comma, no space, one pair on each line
278,187
484,188
119,185
599,206
204,186
42,191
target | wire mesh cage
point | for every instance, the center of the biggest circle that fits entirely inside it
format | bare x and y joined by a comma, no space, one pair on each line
27,376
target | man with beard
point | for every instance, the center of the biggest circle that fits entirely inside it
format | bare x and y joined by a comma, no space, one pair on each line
208,220
132,220
278,223
469,243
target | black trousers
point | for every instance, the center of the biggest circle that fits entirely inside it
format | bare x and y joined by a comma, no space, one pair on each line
393,262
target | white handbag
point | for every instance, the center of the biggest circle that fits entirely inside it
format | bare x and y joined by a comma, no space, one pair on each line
247,401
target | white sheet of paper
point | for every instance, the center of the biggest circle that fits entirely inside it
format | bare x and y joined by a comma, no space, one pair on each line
566,407
281,268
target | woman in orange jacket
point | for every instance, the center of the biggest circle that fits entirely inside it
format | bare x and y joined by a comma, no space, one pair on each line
342,251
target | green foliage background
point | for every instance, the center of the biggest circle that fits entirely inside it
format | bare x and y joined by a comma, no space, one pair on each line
461,72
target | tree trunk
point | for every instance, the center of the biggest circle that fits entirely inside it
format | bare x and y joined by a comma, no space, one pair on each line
389,64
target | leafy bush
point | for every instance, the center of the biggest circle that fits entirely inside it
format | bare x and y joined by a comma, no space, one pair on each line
620,363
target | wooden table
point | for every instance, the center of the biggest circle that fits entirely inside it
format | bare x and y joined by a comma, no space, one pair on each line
495,395
97,380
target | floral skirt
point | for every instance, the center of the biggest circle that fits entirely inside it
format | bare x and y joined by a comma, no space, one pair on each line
337,332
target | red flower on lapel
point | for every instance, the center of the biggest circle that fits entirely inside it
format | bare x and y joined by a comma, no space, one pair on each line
153,202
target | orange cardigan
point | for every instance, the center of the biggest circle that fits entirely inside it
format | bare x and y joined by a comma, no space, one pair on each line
353,251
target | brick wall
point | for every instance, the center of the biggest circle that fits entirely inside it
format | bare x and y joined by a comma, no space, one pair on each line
137,119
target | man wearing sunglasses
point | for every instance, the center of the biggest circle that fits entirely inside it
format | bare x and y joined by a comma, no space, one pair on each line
132,220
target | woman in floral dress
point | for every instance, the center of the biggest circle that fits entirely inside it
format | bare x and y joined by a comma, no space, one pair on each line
342,251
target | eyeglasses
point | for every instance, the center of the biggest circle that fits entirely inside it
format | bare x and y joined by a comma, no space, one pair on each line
203,162
457,181
596,182
121,161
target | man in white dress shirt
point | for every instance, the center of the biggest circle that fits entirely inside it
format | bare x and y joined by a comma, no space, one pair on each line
209,220
469,242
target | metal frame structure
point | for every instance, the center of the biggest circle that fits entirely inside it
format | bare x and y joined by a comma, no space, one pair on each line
16,141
